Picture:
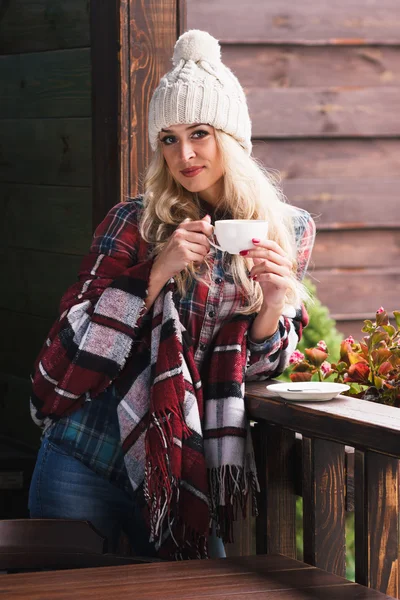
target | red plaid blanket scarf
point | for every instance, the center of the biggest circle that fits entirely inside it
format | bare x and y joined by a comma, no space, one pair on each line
185,436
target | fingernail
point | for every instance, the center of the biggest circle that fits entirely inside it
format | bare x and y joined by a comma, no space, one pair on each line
208,217
256,241
243,252
254,277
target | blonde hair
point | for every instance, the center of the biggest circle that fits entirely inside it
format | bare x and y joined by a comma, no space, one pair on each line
249,192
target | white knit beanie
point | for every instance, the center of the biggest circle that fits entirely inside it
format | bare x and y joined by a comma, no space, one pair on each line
200,89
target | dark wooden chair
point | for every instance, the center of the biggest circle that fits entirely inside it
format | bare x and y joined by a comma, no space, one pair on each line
45,544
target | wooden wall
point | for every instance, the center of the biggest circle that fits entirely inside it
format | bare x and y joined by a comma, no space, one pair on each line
45,181
323,87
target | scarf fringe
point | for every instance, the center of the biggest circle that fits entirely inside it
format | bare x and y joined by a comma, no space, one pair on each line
162,492
229,488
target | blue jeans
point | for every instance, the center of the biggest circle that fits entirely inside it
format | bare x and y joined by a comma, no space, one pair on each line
64,488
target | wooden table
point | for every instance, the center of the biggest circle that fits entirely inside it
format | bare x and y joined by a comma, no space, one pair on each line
272,577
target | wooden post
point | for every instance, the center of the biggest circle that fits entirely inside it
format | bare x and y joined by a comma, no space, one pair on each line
148,35
276,524
132,45
377,522
105,84
324,505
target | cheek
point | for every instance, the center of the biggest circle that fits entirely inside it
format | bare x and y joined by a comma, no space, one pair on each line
168,160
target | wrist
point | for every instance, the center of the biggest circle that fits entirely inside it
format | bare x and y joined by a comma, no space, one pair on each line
159,273
271,310
264,325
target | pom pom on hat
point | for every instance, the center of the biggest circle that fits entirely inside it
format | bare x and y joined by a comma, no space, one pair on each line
197,45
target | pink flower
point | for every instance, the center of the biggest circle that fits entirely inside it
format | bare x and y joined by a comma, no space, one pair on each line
322,346
349,340
296,357
380,310
325,367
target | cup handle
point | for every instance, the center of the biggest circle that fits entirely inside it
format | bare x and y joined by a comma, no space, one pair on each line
215,245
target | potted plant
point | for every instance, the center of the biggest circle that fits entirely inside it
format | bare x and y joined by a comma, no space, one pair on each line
371,367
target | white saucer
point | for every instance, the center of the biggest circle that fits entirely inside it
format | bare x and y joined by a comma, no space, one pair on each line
308,391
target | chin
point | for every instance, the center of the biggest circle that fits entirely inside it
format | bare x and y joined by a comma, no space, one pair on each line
194,187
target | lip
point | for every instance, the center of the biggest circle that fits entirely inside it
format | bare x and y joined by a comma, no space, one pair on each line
192,172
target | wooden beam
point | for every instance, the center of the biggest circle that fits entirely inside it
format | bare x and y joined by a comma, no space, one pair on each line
104,28
307,23
37,25
324,505
275,449
148,35
377,522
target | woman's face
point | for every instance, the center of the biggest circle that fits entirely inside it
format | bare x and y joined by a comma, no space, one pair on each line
193,158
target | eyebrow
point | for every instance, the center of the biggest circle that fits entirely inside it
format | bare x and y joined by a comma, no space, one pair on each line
187,128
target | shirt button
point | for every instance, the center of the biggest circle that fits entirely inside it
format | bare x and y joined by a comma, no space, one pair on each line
203,347
211,314
218,280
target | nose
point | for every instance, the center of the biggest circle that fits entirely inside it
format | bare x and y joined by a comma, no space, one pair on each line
186,151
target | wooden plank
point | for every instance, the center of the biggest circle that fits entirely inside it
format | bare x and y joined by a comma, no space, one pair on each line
347,203
276,523
349,472
45,217
377,522
105,106
358,290
324,505
15,419
154,28
46,151
199,579
306,23
35,25
333,159
302,66
259,435
17,357
352,326
358,248
36,280
45,84
244,535
117,581
346,420
324,112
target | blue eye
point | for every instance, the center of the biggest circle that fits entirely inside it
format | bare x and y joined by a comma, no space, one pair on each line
200,133
168,140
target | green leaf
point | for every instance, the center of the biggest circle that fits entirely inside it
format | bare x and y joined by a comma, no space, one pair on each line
396,314
390,330
376,338
368,326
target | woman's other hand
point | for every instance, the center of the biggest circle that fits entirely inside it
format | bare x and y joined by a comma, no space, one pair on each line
272,269
188,244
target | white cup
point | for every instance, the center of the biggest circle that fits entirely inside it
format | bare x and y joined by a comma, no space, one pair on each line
235,235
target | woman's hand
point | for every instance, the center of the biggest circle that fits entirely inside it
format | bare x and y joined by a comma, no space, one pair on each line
188,244
272,269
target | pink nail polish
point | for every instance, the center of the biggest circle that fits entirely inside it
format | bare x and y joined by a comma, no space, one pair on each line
256,241
243,252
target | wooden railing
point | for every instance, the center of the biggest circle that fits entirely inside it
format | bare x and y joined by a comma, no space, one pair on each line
321,472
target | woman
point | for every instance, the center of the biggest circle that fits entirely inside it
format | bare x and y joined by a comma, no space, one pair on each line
139,386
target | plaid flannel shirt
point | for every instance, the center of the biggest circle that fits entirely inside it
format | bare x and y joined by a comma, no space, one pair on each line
91,434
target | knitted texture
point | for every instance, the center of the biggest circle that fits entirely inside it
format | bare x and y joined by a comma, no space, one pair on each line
200,89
